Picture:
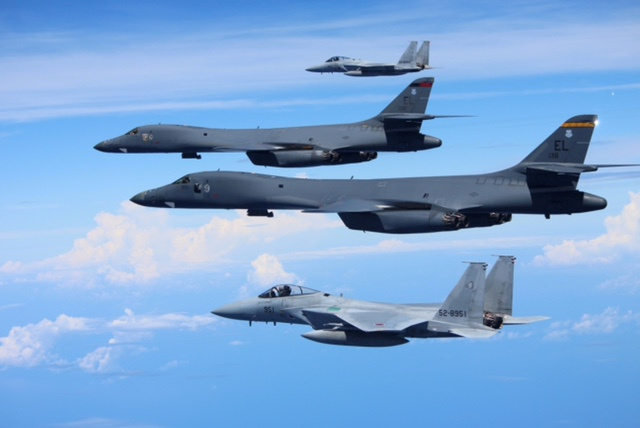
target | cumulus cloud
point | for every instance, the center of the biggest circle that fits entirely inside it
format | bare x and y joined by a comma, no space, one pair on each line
622,237
31,345
592,324
35,344
267,270
140,245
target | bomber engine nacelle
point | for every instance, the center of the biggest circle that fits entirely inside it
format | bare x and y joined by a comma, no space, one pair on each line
419,221
300,158
407,221
355,338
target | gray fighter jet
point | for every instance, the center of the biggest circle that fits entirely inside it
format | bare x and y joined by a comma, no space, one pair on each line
410,62
544,183
395,129
475,308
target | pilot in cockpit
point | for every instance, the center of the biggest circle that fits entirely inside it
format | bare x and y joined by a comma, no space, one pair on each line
280,291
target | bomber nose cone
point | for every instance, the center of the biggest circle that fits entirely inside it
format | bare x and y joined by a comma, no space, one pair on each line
102,146
141,199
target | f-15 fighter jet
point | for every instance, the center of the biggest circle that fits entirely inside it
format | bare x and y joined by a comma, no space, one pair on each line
410,62
475,308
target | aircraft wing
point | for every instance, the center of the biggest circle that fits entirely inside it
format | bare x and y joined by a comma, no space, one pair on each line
349,206
363,320
371,205
413,116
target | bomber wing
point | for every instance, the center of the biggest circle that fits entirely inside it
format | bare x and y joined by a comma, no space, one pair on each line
363,320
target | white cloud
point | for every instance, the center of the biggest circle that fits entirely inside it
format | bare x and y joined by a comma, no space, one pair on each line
73,74
31,345
622,237
592,324
131,322
35,344
140,245
267,270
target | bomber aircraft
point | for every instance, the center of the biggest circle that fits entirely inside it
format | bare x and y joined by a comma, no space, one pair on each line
395,129
544,182
410,62
477,307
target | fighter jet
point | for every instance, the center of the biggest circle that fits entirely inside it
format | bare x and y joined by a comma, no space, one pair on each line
544,182
410,62
475,308
395,129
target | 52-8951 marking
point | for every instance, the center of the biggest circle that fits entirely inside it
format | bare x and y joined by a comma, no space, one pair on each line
452,313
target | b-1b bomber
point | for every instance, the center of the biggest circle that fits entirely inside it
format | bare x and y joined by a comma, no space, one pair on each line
395,129
544,183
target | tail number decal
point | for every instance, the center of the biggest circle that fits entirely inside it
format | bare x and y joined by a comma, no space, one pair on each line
452,313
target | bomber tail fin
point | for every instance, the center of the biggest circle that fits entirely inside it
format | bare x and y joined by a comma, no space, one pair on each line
558,161
412,101
408,58
567,144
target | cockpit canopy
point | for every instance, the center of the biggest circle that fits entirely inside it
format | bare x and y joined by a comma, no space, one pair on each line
183,180
338,58
284,290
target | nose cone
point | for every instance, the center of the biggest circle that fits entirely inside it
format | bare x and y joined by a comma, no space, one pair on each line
316,68
152,198
140,199
102,146
234,311
110,146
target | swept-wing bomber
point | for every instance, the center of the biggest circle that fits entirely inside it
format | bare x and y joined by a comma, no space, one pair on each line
544,182
395,129
410,62
477,307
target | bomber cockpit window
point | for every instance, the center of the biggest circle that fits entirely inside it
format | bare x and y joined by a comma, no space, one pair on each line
183,180
284,290
133,132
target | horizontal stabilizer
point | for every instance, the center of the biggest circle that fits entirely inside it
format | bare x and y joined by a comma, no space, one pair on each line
573,168
509,320
562,168
473,333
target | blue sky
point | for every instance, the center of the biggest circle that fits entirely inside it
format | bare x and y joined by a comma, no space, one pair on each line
104,305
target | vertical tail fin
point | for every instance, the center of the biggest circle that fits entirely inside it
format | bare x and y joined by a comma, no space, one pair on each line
409,56
422,58
413,99
465,303
567,144
498,297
